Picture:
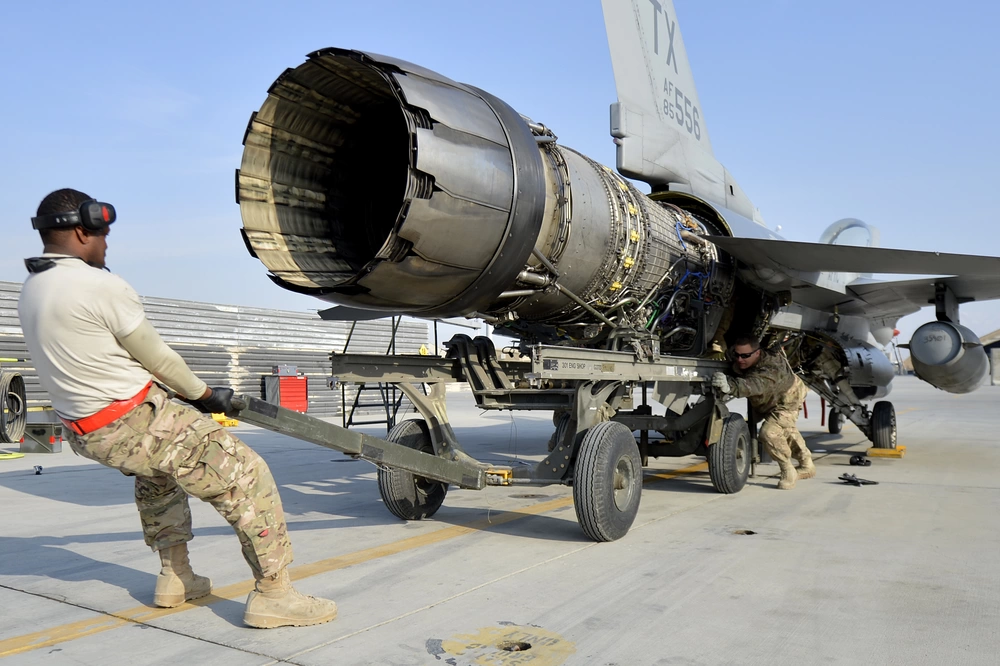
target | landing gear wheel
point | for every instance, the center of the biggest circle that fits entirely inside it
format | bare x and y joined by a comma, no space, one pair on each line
557,436
836,421
729,458
883,425
407,495
608,481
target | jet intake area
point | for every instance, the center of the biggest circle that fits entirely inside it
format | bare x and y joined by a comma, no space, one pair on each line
374,183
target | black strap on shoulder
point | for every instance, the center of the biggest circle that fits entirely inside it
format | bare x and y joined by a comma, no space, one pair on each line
39,264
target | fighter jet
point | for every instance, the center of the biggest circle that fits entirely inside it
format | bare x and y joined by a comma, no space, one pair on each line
386,188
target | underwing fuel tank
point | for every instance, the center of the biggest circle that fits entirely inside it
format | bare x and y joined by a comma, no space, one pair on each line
377,184
949,357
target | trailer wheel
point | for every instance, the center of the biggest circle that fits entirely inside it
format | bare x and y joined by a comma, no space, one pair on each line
836,422
729,458
883,425
607,481
407,495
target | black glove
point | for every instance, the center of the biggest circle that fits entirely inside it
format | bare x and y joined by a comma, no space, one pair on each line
219,402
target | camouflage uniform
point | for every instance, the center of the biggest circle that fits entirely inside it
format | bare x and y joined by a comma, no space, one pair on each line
776,395
173,451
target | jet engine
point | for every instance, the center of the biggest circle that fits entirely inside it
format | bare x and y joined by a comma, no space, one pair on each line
377,184
949,357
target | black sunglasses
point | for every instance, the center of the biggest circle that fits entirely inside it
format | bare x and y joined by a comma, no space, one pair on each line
746,355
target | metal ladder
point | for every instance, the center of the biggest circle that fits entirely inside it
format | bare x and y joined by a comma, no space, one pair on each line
388,397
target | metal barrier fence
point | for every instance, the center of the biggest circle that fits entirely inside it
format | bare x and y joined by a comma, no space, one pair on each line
236,345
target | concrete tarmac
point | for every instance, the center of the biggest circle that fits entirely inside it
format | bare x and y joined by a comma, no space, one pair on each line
904,572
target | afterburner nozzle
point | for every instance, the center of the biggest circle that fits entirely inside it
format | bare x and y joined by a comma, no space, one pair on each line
373,182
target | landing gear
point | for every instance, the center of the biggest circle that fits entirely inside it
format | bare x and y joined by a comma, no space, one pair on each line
607,483
729,458
883,425
407,495
836,421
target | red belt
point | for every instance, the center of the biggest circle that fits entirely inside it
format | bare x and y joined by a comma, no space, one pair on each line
112,412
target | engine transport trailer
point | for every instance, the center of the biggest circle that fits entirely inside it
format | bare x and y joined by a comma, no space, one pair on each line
594,449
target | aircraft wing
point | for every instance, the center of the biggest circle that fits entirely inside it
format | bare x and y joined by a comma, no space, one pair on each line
808,266
886,298
784,256
345,313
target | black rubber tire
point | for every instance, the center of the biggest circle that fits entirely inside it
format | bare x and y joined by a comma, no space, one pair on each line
836,421
607,483
14,403
558,434
729,458
407,495
883,425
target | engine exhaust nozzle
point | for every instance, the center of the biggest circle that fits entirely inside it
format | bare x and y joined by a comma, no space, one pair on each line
373,182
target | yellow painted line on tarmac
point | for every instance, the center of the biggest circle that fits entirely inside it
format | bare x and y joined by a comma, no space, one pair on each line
673,474
144,614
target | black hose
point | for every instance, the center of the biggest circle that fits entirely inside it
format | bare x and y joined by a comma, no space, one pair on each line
15,407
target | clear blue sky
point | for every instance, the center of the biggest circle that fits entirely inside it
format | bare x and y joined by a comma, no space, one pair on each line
886,111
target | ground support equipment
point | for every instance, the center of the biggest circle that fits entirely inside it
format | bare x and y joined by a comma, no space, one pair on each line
595,449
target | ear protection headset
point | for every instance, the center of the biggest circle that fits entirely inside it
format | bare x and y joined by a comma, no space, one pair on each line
92,215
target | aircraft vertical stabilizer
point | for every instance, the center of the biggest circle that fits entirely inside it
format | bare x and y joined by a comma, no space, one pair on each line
658,121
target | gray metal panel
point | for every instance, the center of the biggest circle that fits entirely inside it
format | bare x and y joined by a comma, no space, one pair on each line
427,283
455,107
454,231
410,67
467,166
236,345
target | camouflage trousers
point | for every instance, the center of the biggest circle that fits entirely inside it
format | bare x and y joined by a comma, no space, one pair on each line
779,434
173,451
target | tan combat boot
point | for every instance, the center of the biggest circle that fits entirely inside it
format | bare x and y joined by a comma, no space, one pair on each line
788,476
806,468
177,583
275,603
